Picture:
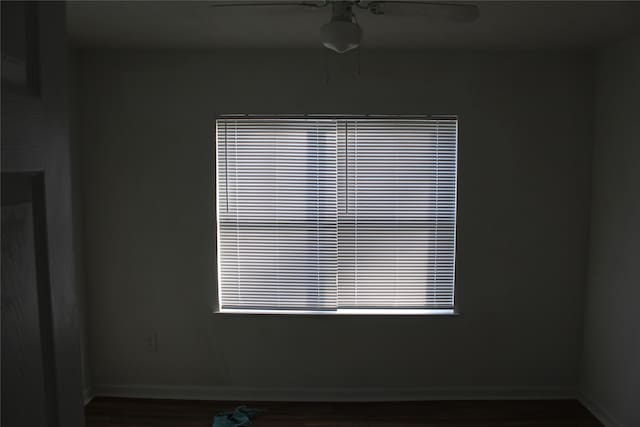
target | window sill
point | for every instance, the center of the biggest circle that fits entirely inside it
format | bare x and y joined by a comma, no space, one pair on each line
348,312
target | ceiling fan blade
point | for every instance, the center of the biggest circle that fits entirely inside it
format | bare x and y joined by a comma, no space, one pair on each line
456,12
309,4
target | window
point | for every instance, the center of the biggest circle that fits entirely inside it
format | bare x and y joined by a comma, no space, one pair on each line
336,214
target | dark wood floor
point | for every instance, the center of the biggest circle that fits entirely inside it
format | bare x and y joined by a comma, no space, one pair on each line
107,412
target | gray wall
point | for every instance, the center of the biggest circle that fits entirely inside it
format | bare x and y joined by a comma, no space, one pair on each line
35,138
147,122
611,377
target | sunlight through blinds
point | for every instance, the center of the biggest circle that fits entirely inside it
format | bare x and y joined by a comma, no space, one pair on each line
321,214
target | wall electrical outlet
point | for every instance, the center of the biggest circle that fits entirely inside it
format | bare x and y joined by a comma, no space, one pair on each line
152,342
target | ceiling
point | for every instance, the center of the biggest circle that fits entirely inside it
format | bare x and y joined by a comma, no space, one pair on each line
556,25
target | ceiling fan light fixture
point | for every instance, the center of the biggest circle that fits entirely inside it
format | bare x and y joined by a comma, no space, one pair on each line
341,36
343,33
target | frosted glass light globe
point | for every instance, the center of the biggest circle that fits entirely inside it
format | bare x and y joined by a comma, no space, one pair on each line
341,36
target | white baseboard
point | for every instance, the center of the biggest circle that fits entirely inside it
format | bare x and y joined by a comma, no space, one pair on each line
330,394
600,412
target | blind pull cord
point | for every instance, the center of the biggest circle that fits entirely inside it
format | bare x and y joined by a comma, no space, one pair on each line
226,168
346,166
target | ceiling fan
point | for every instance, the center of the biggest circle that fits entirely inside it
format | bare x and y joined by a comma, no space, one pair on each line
343,33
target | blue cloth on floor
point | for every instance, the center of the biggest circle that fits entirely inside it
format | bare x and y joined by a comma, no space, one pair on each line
240,417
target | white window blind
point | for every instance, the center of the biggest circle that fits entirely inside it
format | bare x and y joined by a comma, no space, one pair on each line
344,215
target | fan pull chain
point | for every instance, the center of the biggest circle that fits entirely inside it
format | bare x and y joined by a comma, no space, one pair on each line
326,66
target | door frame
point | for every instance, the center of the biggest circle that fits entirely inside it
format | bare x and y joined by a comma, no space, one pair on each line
28,187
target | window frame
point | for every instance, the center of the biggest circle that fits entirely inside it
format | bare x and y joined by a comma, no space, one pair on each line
438,312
